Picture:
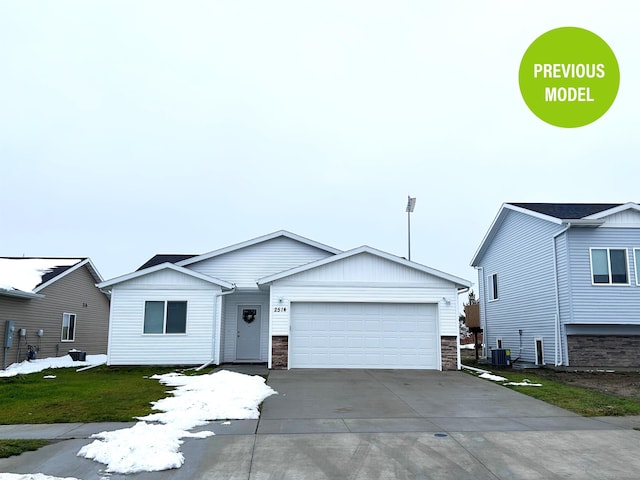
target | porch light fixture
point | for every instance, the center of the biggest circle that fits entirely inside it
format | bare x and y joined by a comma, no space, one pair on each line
411,204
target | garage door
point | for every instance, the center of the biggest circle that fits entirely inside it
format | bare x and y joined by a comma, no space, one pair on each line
363,335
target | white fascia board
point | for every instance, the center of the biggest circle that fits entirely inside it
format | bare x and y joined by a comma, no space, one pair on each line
87,261
583,222
372,251
497,222
19,294
254,241
614,210
163,266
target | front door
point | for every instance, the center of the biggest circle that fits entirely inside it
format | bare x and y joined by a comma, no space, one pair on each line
249,326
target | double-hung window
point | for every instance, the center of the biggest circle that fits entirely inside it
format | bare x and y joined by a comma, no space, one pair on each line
609,266
164,317
492,286
636,259
68,327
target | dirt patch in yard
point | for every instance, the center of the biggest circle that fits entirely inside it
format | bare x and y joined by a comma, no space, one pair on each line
620,383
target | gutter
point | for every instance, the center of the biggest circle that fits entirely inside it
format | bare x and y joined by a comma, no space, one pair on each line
219,332
558,337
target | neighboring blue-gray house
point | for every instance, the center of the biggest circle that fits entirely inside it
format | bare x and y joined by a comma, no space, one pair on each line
559,283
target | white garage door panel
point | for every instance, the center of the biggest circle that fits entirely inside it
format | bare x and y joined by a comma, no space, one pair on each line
363,335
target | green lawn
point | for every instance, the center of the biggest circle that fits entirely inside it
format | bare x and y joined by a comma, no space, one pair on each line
8,448
101,394
583,401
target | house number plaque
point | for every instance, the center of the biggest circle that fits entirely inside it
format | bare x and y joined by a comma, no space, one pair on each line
279,309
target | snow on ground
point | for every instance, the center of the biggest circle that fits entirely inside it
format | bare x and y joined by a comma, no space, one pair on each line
491,376
153,443
31,476
496,378
34,366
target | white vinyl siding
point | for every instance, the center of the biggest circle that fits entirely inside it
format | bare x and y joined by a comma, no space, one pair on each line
245,266
521,253
128,345
601,304
609,266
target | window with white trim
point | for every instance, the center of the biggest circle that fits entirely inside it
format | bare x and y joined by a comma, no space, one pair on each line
68,327
609,266
165,317
636,260
492,284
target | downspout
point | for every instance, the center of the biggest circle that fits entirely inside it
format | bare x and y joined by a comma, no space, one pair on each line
219,332
558,337
483,310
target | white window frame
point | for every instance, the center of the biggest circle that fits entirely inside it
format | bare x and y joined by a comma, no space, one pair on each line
535,349
499,342
164,318
492,287
68,317
636,264
608,249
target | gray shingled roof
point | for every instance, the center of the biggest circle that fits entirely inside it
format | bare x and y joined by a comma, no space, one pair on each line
165,257
567,211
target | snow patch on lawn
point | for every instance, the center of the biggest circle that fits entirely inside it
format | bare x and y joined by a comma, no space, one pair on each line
153,443
38,365
491,376
31,476
496,378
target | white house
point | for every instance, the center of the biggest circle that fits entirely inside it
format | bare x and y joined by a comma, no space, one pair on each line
288,301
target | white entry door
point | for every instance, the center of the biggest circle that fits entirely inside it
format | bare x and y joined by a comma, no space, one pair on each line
249,327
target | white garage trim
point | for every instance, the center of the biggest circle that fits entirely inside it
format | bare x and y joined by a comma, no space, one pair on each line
364,335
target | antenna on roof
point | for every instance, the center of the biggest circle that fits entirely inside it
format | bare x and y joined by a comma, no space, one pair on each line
411,204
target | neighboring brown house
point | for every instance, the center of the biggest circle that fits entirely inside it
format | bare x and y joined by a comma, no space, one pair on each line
52,304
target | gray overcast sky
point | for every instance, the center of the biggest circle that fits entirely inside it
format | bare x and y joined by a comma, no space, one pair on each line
129,128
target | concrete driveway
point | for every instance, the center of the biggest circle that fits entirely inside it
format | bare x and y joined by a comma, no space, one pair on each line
382,424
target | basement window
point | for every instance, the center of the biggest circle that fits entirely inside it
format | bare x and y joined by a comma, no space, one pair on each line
609,266
165,317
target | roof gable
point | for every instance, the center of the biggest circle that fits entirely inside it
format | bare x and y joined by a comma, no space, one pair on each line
32,274
359,251
566,211
164,266
255,241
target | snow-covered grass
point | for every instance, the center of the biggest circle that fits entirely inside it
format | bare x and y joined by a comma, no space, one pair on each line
38,365
153,444
505,381
196,401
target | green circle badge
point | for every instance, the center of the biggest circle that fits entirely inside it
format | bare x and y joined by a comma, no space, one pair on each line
569,77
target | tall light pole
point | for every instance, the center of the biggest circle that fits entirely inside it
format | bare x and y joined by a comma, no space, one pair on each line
411,204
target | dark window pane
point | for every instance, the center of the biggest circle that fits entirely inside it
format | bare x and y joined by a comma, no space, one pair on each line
72,327
176,317
153,317
618,266
600,266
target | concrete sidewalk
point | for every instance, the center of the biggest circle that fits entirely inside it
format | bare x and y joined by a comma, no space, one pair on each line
365,424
